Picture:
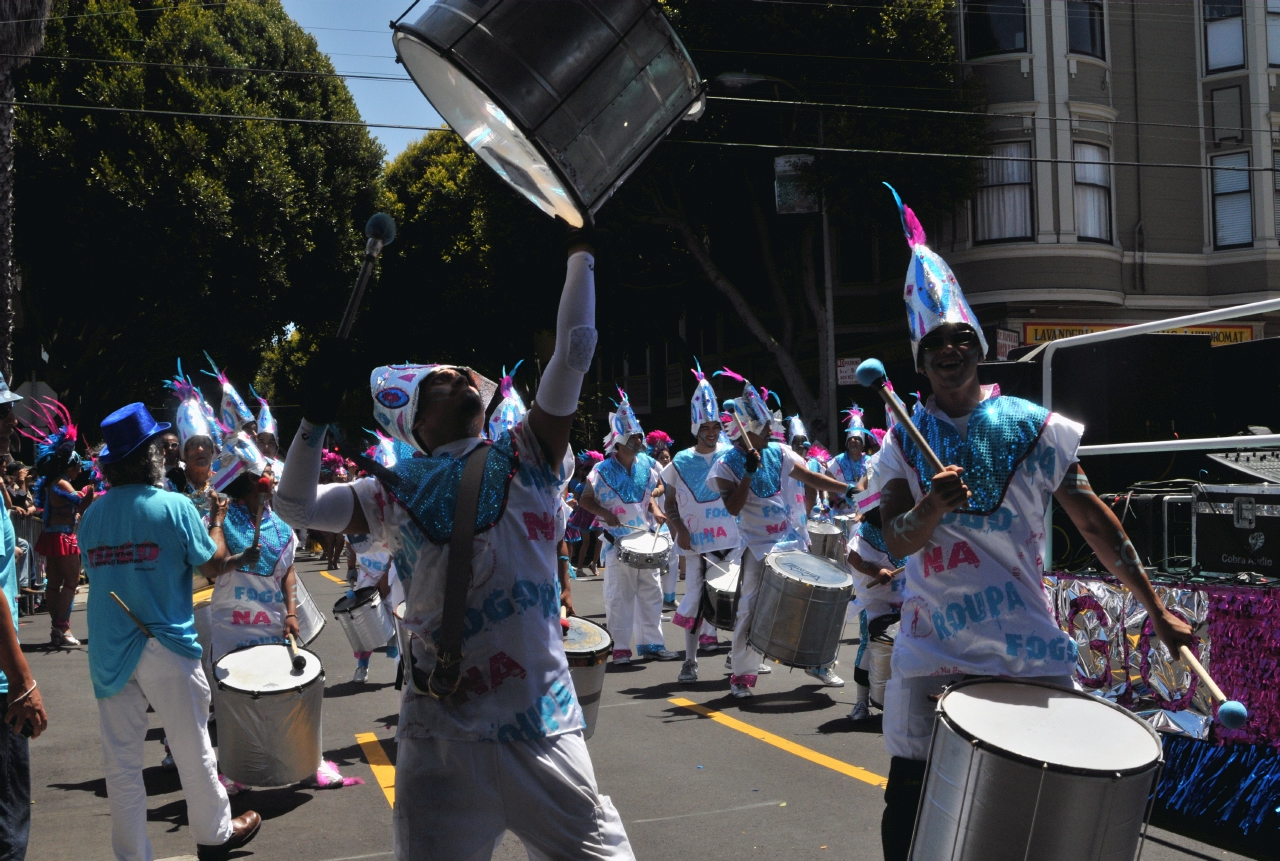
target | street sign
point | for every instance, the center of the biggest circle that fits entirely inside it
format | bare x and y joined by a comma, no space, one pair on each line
846,372
1006,340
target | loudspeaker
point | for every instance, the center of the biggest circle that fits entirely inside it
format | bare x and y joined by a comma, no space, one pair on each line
1246,379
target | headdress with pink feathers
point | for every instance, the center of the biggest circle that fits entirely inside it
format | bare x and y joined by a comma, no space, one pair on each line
751,409
50,427
703,406
235,413
511,409
658,440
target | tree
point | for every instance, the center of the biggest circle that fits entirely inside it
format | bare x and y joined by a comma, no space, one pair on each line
21,35
146,237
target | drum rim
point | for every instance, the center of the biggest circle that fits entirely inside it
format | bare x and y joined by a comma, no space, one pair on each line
848,584
836,530
222,686
941,715
602,652
358,603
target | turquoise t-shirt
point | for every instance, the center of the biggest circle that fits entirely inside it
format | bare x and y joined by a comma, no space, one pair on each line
142,543
8,578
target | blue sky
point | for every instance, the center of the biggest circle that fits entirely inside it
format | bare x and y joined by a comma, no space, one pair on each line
355,35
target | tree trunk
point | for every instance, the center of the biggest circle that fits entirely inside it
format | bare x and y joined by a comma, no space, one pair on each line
8,274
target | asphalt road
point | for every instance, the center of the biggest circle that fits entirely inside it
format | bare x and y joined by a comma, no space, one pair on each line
687,785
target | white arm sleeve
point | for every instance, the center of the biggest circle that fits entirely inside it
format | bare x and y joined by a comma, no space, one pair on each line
575,339
300,500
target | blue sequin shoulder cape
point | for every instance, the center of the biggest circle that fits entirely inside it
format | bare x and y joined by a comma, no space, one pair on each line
693,469
624,483
767,480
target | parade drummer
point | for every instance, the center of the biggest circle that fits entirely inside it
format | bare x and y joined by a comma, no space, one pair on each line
197,435
973,534
506,750
706,533
761,483
850,465
620,492
878,601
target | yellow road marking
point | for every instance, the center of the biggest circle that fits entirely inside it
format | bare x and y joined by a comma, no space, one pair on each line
334,579
202,595
779,742
383,771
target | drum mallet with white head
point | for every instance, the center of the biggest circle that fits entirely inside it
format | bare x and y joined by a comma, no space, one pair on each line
299,661
872,375
1232,714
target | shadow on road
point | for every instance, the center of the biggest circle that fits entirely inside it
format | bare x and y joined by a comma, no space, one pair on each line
350,689
874,726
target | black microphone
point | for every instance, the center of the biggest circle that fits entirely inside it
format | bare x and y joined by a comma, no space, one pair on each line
380,232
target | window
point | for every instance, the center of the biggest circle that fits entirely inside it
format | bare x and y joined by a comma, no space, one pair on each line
1084,29
1232,202
1275,164
1223,34
1093,193
1002,207
994,27
1273,32
1226,115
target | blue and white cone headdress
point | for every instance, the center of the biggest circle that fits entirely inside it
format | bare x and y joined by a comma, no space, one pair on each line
751,408
932,293
235,413
703,406
194,416
511,410
266,421
854,425
622,425
795,428
395,396
240,454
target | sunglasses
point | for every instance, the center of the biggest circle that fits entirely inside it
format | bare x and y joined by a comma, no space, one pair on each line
962,340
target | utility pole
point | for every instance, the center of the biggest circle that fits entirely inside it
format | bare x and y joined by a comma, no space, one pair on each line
828,378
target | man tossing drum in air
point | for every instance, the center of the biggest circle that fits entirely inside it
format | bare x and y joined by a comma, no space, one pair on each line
973,602
504,750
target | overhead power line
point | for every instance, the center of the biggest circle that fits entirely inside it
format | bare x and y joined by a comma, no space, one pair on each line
207,116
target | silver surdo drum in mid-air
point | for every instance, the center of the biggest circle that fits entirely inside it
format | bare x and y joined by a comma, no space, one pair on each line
1022,770
587,647
310,620
720,593
825,539
800,609
269,731
644,550
365,619
562,98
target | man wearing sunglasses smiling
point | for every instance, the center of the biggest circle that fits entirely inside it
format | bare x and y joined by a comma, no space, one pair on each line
973,534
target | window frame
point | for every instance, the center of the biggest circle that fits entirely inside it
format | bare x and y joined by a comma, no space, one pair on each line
1031,197
1214,194
1271,12
1102,32
1075,179
964,31
1244,48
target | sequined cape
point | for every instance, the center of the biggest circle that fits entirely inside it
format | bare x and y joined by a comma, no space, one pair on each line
842,461
873,536
1002,432
623,482
272,540
767,480
693,469
427,487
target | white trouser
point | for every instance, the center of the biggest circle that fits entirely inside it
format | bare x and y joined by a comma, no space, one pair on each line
685,615
909,711
454,800
632,603
176,688
671,576
746,660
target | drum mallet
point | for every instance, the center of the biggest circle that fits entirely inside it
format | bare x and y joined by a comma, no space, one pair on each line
123,606
871,374
299,661
1232,714
380,232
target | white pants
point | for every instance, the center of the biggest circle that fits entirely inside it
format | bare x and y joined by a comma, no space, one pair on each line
454,800
909,711
671,576
694,577
746,660
176,688
632,604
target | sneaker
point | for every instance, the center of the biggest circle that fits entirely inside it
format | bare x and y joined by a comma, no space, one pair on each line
393,652
658,652
361,675
669,601
728,662
231,786
622,658
709,644
860,712
167,763
764,670
740,691
62,638
688,672
827,677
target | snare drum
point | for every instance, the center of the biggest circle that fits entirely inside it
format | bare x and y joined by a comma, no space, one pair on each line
310,620
644,550
1030,770
365,619
720,594
268,715
800,609
587,646
825,539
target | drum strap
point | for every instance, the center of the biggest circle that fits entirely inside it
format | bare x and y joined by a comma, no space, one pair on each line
447,673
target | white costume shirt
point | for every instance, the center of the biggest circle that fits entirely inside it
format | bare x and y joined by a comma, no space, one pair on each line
638,515
248,609
878,599
711,526
768,524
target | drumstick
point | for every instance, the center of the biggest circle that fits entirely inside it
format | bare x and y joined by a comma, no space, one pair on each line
299,661
129,612
743,432
1232,714
872,375
262,507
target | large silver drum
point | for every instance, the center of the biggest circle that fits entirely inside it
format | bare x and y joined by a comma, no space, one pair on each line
365,619
563,98
1023,770
825,539
268,715
310,620
800,609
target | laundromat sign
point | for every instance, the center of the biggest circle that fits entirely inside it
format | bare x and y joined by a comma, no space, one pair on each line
1039,333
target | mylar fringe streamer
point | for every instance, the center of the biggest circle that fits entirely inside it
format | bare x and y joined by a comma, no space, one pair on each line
1234,785
1244,626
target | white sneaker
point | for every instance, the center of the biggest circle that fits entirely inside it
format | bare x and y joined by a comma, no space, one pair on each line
62,638
688,672
361,676
860,712
740,691
728,662
827,677
764,670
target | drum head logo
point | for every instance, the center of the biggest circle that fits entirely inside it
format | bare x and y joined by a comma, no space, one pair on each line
1255,541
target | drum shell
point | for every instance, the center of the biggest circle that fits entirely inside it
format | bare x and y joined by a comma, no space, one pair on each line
271,739
310,620
643,558
826,539
881,655
593,84
795,623
719,606
587,669
980,803
368,624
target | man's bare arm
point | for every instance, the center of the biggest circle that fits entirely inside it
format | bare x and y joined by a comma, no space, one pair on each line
908,525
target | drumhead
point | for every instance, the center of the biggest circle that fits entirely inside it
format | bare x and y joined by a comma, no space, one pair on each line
807,568
586,638
645,542
399,611
1048,724
265,669
346,603
820,528
723,578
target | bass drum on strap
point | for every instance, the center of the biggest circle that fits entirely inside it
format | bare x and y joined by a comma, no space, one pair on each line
1022,770
720,593
800,609
587,647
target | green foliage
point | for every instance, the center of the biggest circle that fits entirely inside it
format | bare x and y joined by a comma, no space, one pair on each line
143,238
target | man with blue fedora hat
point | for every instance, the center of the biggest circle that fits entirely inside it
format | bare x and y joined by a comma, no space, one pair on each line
142,543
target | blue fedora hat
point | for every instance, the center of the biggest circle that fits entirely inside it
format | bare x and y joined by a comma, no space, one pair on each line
125,430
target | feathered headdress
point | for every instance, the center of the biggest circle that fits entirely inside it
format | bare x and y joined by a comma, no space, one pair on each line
932,293
511,409
703,406
266,421
853,423
589,457
658,440
795,428
194,416
240,454
395,396
49,426
623,424
235,413
820,454
751,408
